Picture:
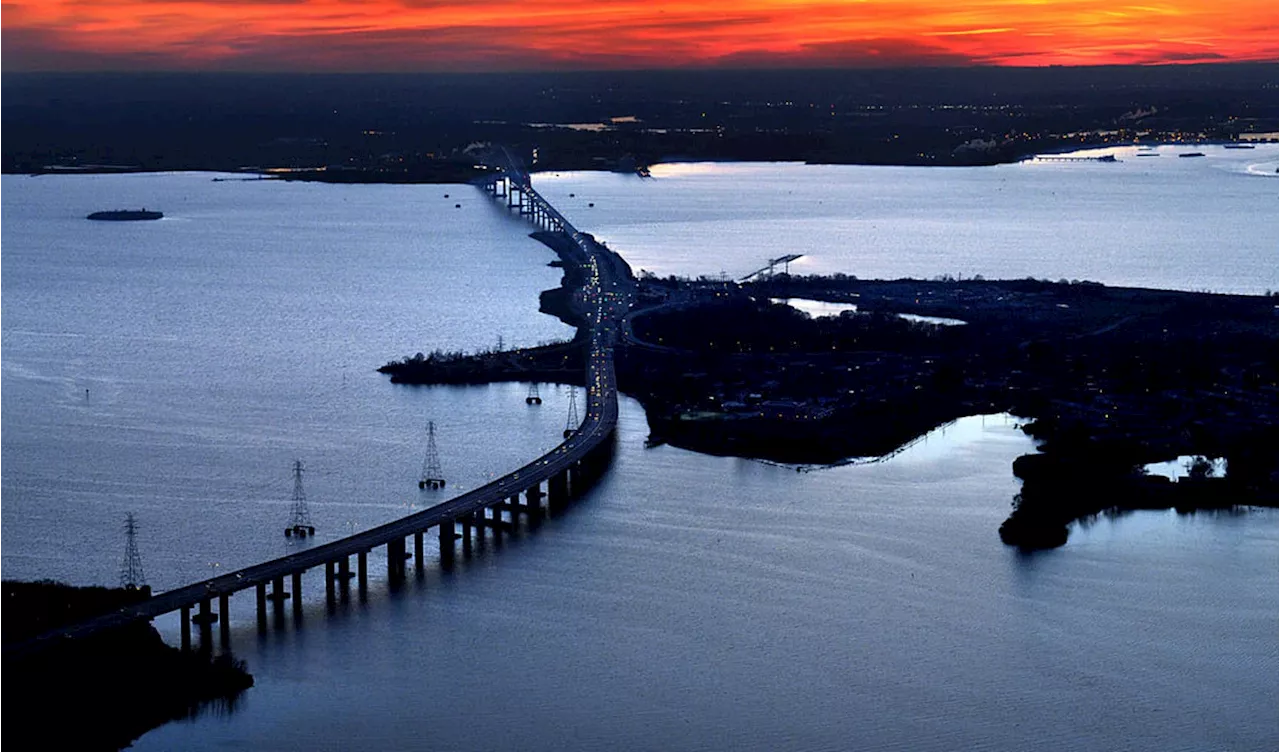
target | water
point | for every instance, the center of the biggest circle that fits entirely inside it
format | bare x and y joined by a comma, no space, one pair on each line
177,368
1197,224
688,602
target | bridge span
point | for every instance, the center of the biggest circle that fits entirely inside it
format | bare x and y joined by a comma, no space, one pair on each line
566,471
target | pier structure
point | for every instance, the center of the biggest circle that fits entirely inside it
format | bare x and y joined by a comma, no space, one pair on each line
542,488
1055,158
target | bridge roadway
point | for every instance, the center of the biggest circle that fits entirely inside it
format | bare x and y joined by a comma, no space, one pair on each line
557,469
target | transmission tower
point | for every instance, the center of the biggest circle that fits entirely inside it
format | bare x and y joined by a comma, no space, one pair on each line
131,576
432,473
299,518
533,398
571,424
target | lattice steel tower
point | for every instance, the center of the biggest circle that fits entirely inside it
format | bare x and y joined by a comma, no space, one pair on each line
534,398
131,576
572,422
432,473
299,518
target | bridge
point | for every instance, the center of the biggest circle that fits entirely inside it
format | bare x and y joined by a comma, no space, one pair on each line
566,471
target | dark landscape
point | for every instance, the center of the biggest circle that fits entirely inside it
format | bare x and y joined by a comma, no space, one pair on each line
118,684
1108,379
418,128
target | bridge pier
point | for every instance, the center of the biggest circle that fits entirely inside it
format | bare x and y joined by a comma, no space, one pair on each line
329,595
496,522
224,617
185,629
395,559
297,597
533,502
466,536
499,526
261,589
344,576
446,544
362,572
278,596
557,492
417,551
205,619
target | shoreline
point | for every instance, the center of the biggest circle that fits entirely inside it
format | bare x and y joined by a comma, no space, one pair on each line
121,683
1110,378
449,173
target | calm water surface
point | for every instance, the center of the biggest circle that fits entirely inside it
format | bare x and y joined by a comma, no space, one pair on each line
688,602
1207,223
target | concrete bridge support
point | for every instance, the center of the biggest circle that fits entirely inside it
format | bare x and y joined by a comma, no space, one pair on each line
297,596
533,502
417,551
278,597
205,619
329,582
261,590
395,559
498,524
344,576
224,617
557,492
466,535
362,572
185,629
446,544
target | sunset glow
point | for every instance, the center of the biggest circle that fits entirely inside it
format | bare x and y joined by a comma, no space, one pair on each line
410,35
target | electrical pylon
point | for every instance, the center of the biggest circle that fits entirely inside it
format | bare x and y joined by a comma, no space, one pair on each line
533,398
299,518
432,473
571,424
131,576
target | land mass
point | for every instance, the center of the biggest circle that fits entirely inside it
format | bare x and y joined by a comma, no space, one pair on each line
423,128
104,691
1108,379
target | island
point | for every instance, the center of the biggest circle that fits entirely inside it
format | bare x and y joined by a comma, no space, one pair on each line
1107,379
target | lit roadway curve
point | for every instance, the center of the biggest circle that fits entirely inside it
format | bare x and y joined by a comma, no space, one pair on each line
607,293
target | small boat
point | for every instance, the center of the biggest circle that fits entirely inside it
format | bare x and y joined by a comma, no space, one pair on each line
125,215
1237,146
1192,154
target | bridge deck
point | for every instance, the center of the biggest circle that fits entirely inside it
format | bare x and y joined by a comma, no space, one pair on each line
598,424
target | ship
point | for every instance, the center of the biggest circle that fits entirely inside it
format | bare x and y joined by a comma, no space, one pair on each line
1237,146
126,215
1192,154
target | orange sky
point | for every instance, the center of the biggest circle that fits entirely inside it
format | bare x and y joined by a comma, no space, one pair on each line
408,35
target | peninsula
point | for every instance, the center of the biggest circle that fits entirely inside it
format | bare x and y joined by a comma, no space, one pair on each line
1108,379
